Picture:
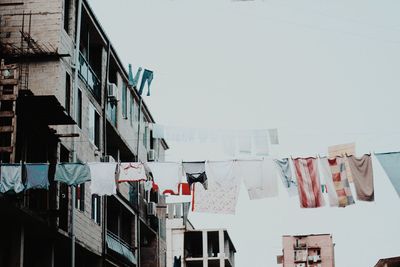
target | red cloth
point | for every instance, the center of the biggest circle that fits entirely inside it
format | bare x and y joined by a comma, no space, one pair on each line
184,189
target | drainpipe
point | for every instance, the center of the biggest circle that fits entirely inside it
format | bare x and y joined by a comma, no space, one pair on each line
105,102
75,100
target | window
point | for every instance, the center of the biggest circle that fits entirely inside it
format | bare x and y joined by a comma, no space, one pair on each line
96,208
145,135
67,93
80,197
79,109
67,6
94,126
124,100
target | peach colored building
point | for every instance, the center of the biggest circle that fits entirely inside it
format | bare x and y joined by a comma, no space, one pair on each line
307,251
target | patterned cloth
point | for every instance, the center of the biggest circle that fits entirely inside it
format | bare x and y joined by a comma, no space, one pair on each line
308,181
390,163
342,185
132,172
288,179
223,190
363,177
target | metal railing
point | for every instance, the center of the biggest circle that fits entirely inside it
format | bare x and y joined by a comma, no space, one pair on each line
116,244
89,76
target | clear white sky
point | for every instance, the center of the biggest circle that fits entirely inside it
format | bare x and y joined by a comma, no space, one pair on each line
323,72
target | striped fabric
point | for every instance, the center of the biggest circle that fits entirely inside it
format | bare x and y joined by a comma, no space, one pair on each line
342,185
310,194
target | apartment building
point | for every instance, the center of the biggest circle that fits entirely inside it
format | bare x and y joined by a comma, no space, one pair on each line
190,247
316,250
388,262
66,97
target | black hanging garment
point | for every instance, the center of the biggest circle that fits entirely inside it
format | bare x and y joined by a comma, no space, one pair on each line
195,173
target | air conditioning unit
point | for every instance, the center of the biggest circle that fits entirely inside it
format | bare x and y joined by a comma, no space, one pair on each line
112,91
317,258
108,158
151,155
151,209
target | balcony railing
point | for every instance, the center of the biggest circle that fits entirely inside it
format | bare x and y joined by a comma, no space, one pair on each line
120,247
89,77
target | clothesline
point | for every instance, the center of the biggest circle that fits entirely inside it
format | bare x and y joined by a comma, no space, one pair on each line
214,185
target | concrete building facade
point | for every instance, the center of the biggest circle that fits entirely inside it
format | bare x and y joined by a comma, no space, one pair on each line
307,251
65,97
190,247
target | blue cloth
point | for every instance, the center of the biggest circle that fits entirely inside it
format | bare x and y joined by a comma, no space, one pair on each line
391,164
37,176
11,178
288,180
147,77
72,173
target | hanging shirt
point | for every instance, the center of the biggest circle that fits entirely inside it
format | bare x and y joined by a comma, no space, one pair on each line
363,177
11,178
390,163
166,175
37,176
195,173
342,185
288,179
223,189
326,173
259,177
310,194
103,178
132,172
72,173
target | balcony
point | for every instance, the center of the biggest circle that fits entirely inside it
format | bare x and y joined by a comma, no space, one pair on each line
120,247
87,74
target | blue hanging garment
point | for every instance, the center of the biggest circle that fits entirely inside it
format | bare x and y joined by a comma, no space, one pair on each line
147,77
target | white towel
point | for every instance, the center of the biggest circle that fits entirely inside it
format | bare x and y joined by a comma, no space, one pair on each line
259,176
166,175
11,179
103,178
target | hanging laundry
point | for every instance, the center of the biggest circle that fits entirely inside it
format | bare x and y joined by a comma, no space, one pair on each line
103,178
37,176
310,194
342,185
390,163
147,77
132,172
72,173
195,173
259,177
326,173
166,176
11,178
363,177
273,136
288,179
260,143
223,189
184,189
341,151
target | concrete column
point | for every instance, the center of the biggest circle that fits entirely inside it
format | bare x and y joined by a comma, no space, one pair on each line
205,249
221,242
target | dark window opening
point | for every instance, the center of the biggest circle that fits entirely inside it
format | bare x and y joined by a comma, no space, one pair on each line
80,197
96,208
68,93
67,9
79,109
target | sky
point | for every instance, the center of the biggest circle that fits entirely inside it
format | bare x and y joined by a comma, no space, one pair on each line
322,72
